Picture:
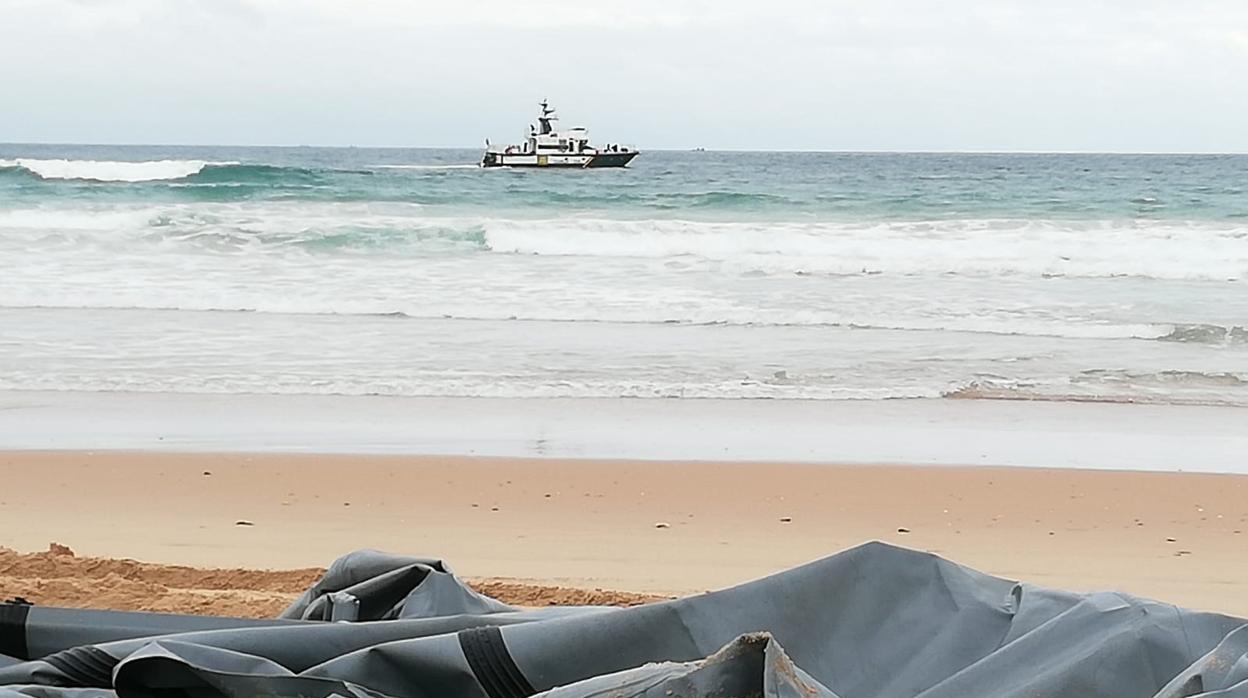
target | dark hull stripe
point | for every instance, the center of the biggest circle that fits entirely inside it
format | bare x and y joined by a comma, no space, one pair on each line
611,159
13,629
492,664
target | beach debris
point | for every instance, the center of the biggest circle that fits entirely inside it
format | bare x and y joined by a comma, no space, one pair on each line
1170,540
207,473
547,495
60,550
786,519
903,529
662,524
475,505
1181,553
244,522
1052,533
346,504
493,508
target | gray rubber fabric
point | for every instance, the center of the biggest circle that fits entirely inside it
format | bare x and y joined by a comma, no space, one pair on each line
392,586
875,621
49,630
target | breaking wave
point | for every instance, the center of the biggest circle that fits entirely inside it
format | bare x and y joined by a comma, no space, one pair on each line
1170,387
1039,248
1207,334
202,172
463,166
110,170
1044,249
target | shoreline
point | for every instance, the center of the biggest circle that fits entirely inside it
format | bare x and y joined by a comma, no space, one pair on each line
1098,435
653,527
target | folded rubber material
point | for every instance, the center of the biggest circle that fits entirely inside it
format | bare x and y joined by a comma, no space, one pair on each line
392,586
875,621
43,630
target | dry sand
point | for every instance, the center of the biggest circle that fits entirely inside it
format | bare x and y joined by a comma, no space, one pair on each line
525,526
58,577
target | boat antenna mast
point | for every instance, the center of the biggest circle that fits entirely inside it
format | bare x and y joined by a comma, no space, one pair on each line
548,115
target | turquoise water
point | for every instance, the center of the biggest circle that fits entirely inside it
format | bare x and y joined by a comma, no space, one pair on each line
784,186
738,275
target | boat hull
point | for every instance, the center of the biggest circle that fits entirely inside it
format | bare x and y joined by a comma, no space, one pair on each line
611,159
595,160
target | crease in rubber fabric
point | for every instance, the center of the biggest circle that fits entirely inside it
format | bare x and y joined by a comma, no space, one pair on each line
492,664
88,667
13,629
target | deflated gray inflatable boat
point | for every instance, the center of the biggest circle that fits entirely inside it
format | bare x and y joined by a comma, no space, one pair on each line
872,622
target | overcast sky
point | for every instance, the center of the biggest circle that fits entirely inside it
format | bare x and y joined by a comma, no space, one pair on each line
1100,75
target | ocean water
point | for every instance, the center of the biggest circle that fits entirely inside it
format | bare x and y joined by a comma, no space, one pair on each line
812,276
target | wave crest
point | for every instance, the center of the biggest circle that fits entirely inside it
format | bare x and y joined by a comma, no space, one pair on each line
1207,334
965,248
1173,387
972,247
110,170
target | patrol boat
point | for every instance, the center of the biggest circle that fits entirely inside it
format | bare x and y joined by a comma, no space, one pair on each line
547,146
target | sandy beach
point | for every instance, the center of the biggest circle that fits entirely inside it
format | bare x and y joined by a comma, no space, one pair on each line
655,528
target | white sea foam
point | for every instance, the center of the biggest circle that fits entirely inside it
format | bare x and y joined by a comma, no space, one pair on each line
113,171
250,353
1039,248
1215,251
600,292
112,220
602,307
332,303
430,167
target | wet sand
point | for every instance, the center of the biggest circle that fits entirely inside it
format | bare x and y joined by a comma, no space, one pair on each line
663,528
1099,436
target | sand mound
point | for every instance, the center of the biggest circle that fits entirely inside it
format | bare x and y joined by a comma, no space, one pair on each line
58,577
